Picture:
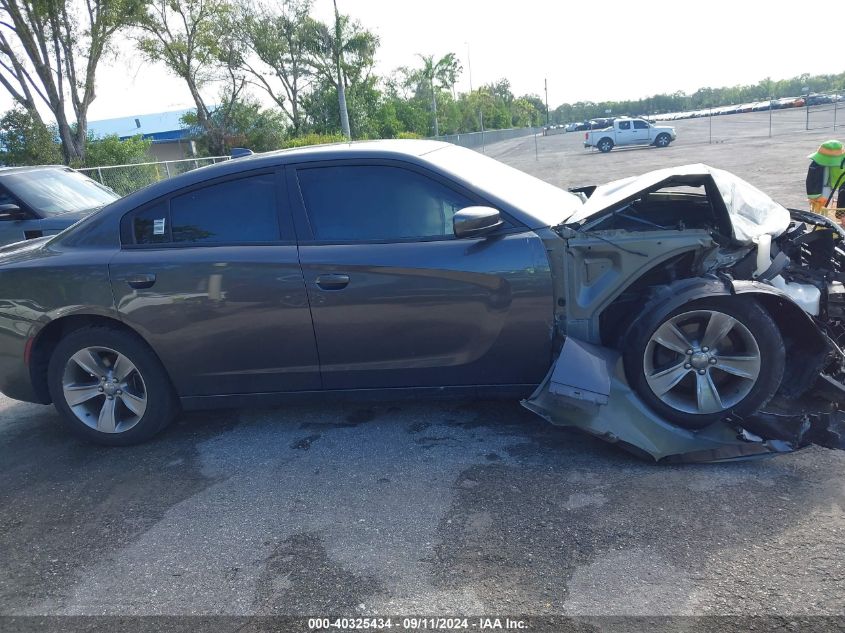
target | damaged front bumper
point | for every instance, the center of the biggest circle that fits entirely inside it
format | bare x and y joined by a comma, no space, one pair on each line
587,389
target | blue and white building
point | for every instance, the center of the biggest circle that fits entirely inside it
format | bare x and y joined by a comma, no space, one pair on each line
171,140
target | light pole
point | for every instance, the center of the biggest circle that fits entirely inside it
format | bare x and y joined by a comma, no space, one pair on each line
546,85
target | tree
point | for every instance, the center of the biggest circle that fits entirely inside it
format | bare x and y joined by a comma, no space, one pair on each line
110,150
341,56
243,124
27,141
439,75
195,40
51,49
277,47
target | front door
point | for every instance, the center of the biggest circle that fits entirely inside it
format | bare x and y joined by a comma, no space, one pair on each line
23,225
210,277
397,301
640,132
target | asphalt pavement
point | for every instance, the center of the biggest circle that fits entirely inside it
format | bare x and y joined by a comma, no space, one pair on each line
425,508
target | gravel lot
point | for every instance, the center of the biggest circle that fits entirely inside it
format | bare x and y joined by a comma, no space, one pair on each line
424,508
777,165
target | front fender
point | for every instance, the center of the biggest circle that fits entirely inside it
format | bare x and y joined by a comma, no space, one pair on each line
792,320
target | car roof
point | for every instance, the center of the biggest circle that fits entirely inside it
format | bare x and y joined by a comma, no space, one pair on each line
393,148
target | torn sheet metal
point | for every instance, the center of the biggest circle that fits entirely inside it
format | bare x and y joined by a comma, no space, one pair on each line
586,389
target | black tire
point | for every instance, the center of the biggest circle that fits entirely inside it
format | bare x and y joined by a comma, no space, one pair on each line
681,403
605,145
662,140
161,404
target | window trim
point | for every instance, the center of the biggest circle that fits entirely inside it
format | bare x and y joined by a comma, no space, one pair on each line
283,214
302,223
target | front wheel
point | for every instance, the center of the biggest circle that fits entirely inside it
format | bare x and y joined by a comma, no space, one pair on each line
706,360
663,140
109,387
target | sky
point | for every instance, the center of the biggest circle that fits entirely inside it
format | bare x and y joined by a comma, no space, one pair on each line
587,51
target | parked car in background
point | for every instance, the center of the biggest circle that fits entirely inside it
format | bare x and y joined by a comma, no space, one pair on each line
627,131
44,200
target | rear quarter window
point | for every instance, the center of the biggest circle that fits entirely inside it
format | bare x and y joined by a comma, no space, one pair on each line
240,211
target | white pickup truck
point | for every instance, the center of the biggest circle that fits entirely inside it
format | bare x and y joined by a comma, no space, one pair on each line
629,132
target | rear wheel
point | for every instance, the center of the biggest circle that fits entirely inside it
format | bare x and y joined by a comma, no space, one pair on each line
663,140
706,360
109,387
605,145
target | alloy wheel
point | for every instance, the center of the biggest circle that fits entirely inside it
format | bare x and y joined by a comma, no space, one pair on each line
702,362
104,389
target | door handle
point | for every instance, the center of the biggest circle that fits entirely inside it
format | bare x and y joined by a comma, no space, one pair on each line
141,280
333,281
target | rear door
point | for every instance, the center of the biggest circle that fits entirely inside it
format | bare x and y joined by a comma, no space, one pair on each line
210,277
397,300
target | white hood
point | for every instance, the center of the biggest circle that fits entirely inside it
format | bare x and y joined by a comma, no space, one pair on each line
752,212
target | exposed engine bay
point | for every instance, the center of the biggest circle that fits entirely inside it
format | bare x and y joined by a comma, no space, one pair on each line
698,319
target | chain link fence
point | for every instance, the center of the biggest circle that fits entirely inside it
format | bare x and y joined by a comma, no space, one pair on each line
479,140
125,179
762,119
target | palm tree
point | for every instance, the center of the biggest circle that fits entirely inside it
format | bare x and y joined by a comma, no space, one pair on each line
340,56
441,74
341,88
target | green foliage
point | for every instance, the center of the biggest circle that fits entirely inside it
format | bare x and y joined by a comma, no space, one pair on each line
110,150
701,98
25,141
240,123
313,139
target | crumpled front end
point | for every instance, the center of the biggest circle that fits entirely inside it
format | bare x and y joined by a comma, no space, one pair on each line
795,274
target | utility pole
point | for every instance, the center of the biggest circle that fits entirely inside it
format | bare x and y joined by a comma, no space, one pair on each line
807,106
469,67
546,84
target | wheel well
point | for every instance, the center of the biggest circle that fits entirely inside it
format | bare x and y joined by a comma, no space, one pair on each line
605,138
47,339
806,349
616,318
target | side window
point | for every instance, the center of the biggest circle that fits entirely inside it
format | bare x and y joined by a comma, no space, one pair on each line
6,198
150,225
640,125
376,202
242,210
624,125
235,211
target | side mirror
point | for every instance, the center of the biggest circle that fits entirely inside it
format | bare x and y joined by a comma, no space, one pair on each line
475,221
11,212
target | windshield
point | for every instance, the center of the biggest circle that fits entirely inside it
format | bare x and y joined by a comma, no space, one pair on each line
549,204
54,190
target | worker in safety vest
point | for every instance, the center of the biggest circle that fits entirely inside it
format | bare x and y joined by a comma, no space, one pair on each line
826,176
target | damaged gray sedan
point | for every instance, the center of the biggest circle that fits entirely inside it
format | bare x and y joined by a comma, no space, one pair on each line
683,314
